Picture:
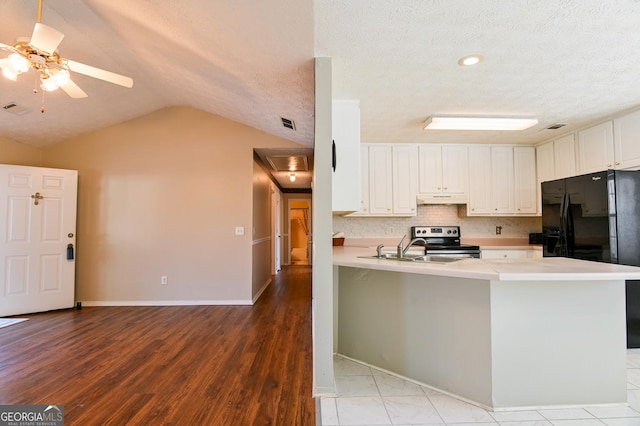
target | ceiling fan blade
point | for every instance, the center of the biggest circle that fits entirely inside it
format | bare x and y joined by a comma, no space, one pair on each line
45,38
94,72
5,47
73,90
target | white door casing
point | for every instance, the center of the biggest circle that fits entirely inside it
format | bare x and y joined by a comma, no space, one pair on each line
38,222
276,218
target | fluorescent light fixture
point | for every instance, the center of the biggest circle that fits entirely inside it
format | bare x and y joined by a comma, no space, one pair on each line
478,123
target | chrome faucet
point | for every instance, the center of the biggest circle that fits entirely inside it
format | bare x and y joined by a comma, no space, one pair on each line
379,250
402,251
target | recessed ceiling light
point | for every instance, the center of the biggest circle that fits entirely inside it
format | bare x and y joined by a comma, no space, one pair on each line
478,123
470,60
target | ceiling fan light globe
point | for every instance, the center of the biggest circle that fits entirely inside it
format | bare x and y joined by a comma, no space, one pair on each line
9,73
17,63
61,77
48,84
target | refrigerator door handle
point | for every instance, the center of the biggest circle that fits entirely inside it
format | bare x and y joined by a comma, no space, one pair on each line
569,228
562,232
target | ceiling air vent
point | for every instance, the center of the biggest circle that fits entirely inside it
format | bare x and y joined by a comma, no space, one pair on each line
289,124
16,109
555,126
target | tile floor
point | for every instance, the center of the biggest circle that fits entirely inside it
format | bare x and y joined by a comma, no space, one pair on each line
368,397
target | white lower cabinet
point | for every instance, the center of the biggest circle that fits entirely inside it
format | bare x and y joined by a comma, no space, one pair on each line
510,253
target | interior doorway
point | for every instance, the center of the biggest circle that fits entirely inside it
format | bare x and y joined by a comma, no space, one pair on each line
300,239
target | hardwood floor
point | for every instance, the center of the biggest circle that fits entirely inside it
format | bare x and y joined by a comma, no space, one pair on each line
191,365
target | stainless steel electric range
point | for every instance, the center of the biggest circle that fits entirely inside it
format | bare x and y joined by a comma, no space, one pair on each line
443,241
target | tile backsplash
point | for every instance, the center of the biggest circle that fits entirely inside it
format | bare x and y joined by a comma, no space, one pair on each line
438,215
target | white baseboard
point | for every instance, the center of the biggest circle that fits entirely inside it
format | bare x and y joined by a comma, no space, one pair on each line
165,302
264,287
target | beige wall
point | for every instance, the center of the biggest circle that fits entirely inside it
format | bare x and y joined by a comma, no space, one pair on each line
162,195
12,152
262,238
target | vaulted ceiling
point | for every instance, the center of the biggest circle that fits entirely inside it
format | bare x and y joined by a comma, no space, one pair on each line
248,61
569,61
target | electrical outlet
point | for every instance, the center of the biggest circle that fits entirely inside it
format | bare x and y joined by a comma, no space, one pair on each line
239,230
498,230
164,280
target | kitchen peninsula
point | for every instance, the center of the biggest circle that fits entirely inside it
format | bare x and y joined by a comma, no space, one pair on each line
500,333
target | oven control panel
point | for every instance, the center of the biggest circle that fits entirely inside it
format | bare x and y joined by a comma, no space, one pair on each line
435,231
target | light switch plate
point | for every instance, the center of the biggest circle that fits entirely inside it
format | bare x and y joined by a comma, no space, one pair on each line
239,230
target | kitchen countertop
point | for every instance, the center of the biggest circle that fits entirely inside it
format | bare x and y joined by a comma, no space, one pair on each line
533,269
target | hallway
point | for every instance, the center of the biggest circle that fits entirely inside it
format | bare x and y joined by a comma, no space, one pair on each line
178,365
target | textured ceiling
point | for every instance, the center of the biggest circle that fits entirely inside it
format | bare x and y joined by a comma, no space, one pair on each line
567,61
248,61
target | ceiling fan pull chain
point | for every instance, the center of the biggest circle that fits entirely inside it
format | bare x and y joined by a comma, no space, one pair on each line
42,108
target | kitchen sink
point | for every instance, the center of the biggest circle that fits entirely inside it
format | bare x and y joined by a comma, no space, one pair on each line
424,258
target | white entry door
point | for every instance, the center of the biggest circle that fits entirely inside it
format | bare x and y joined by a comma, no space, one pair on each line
37,226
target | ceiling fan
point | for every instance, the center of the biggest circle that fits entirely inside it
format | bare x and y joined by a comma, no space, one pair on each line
39,53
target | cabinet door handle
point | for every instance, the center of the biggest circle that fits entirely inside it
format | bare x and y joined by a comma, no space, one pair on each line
333,155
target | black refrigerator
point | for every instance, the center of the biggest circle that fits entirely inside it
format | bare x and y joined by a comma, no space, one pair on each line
597,217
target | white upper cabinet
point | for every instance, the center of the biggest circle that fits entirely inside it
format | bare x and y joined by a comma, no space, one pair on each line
502,180
564,152
380,180
364,182
627,141
545,164
405,179
389,180
556,159
346,156
595,148
613,144
480,201
443,174
525,184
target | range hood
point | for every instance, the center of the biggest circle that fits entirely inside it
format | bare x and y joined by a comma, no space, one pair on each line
442,199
